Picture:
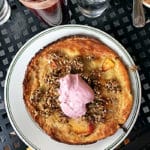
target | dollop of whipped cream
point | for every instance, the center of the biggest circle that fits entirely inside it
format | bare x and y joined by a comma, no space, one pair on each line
75,93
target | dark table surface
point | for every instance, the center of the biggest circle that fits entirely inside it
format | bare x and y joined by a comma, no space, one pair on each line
117,22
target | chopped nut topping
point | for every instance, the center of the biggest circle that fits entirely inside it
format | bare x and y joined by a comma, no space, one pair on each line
113,86
96,111
36,96
77,65
45,99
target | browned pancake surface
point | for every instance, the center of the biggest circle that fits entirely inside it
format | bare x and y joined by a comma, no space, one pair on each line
100,67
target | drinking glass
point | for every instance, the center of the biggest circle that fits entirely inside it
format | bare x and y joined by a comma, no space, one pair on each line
92,8
5,11
52,12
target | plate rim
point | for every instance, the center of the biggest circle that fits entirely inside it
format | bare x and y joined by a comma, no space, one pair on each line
21,51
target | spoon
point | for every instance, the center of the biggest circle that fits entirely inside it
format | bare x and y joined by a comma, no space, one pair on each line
138,16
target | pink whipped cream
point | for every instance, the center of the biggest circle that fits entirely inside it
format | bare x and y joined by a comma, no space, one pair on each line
75,93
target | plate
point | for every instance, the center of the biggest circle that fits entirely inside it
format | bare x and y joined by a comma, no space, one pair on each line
20,119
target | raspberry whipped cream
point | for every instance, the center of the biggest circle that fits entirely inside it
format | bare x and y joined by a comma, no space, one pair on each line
75,93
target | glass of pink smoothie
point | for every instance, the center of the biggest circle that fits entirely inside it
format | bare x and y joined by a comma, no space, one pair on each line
52,12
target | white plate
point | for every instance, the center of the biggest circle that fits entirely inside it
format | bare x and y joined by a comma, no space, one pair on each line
21,121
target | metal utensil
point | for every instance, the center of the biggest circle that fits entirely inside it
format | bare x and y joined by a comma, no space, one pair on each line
138,16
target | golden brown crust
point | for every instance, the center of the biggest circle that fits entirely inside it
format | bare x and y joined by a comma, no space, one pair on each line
111,67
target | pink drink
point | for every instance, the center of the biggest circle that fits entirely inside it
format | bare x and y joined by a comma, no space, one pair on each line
52,12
